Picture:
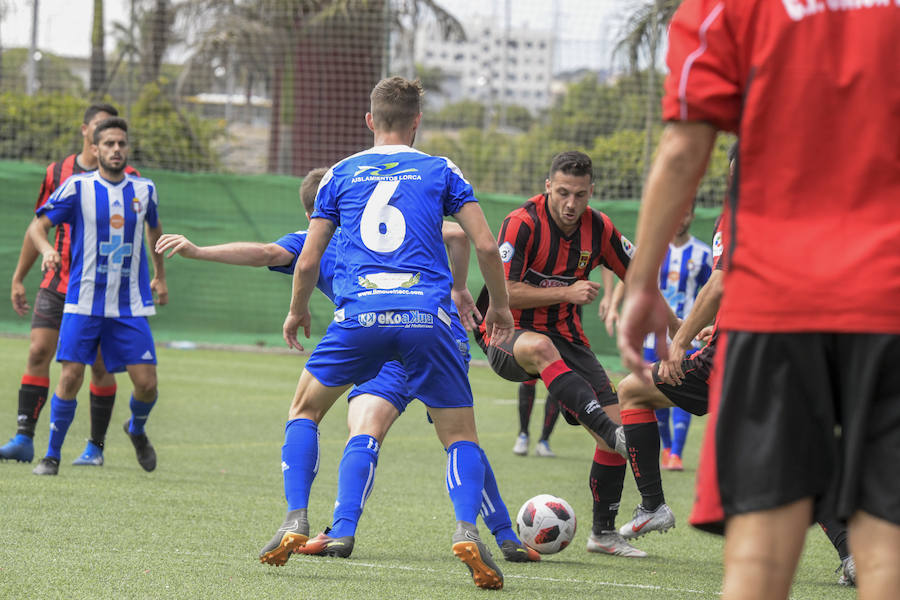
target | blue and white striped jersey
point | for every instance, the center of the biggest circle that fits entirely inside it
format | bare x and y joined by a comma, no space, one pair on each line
683,272
109,275
390,202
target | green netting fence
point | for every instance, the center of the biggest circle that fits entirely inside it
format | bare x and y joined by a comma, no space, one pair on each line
224,304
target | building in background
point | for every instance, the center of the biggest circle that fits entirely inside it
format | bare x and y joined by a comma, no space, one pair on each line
493,65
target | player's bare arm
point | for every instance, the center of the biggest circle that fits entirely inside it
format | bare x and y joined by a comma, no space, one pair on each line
681,159
458,250
524,295
306,275
613,315
704,310
27,255
609,282
37,233
158,283
498,319
249,254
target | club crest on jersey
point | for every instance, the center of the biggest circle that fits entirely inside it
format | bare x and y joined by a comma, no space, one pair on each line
583,258
506,252
136,205
628,247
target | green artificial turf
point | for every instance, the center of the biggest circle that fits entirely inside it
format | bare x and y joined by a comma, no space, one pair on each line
194,527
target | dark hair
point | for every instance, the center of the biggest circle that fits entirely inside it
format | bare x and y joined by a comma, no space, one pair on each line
396,102
110,123
93,109
572,162
733,151
309,187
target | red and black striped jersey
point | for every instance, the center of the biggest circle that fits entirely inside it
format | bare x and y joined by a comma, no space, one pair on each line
57,173
535,251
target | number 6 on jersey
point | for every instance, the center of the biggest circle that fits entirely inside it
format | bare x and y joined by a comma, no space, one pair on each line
378,214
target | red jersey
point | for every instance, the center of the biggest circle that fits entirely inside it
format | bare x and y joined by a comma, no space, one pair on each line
809,88
57,173
534,250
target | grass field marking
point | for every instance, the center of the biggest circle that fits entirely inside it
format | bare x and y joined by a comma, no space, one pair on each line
638,586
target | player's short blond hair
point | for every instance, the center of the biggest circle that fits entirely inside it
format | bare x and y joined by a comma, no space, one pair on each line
396,102
310,186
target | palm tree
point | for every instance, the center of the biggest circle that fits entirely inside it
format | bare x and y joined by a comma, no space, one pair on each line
643,30
98,59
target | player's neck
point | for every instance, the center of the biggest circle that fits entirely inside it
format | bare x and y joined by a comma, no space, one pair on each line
393,138
116,177
86,160
681,240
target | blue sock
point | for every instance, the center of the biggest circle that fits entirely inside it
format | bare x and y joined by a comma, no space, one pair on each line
356,476
662,421
139,413
681,420
62,413
299,461
465,479
493,509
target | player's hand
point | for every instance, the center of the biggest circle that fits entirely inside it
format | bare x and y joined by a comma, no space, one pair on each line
583,291
469,315
705,334
670,370
611,321
19,300
176,244
498,325
292,322
50,260
644,312
161,290
603,308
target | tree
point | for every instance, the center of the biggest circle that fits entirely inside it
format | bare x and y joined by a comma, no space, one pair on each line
643,30
156,25
98,59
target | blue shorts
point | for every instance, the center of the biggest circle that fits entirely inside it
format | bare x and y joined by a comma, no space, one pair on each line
390,384
123,341
435,370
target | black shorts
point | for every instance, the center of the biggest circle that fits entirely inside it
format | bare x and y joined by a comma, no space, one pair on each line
693,393
810,415
577,357
48,309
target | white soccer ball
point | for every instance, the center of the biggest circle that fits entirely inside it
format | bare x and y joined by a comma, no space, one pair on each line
546,523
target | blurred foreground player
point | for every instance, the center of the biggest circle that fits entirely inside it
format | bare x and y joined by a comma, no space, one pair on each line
810,316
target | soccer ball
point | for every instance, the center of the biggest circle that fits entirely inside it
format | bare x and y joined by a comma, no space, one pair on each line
546,523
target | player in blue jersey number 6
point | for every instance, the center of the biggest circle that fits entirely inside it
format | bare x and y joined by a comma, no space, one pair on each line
110,294
392,290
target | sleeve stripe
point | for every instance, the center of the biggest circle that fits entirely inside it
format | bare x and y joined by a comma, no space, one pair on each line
693,56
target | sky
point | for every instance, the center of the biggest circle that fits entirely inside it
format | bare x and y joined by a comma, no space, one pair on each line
585,28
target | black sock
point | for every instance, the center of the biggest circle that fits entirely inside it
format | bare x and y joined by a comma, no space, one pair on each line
526,402
576,396
837,532
101,412
551,413
31,400
642,440
606,482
